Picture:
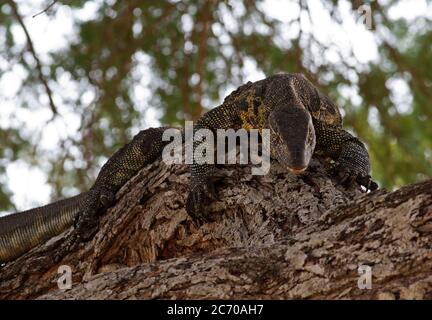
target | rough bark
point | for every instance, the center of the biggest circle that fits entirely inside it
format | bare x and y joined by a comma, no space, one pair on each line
277,236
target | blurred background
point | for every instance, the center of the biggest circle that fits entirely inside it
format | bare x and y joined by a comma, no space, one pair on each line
78,80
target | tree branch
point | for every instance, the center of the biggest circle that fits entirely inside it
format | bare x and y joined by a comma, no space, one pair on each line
205,17
275,236
390,232
46,9
33,53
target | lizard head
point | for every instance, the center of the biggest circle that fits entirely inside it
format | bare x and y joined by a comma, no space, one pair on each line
292,137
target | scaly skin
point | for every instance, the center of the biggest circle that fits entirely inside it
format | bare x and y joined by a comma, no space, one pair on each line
22,231
301,120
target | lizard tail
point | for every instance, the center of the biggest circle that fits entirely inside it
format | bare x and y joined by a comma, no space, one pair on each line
21,231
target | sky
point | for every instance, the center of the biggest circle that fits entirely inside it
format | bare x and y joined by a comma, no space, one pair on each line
29,184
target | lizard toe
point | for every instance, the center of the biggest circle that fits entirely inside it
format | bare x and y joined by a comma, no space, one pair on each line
86,225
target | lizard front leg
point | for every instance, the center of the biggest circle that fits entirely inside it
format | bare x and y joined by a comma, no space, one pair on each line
352,164
202,191
145,147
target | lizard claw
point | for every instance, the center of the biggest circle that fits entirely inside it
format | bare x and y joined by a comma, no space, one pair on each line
199,199
86,224
367,182
347,175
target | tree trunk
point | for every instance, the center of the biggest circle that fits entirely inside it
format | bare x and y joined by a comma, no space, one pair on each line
277,236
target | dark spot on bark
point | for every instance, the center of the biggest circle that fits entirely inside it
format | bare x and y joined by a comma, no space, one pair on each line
378,224
144,198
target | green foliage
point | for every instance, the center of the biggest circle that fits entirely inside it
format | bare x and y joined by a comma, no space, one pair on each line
188,54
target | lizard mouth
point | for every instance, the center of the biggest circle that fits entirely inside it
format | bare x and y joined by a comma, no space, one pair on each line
296,170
